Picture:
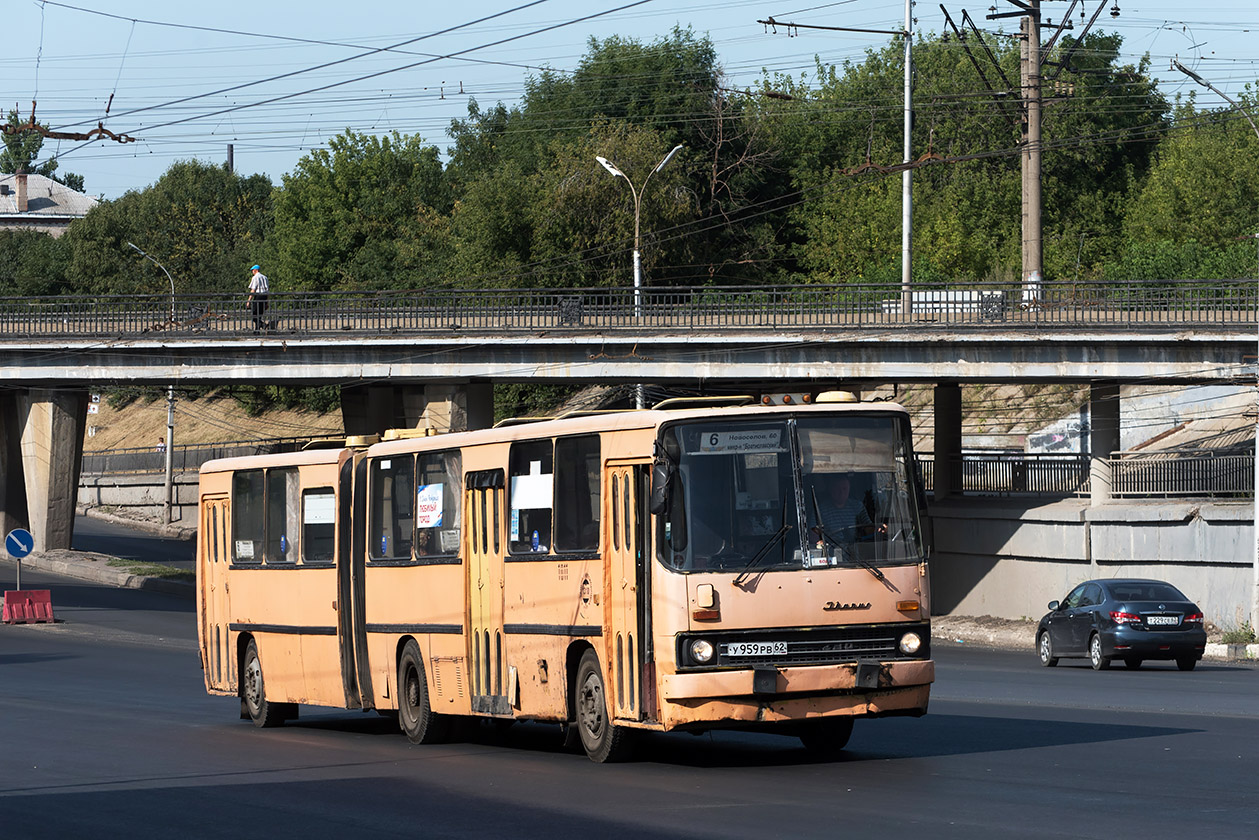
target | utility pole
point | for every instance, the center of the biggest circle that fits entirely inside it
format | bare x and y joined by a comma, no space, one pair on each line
1029,91
907,182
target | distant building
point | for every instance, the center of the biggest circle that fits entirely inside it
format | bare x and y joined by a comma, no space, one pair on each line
34,202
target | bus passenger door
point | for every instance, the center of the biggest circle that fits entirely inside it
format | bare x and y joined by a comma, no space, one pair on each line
627,593
486,541
220,665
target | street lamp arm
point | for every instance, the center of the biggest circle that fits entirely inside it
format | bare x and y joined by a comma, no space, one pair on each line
170,279
1176,65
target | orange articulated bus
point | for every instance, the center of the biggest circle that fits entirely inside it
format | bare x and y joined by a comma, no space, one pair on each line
700,565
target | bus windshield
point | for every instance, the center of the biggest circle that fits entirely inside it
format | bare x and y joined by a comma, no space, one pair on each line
789,493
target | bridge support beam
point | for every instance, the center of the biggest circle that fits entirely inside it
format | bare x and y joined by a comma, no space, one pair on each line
456,407
948,440
41,452
1103,439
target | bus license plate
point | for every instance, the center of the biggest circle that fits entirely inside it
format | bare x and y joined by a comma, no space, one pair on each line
756,649
1166,620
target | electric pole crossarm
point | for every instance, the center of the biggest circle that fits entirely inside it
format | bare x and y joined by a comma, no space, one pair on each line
983,77
1066,59
1063,26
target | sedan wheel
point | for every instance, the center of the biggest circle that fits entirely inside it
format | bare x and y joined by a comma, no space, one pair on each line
1045,648
1186,663
1132,662
1099,662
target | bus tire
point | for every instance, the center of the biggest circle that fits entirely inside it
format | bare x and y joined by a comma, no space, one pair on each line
252,690
603,740
416,717
826,738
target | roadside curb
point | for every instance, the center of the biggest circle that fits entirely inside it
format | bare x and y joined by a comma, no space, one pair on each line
86,565
176,532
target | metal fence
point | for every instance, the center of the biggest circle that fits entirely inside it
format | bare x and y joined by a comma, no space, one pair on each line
1180,474
183,458
1170,304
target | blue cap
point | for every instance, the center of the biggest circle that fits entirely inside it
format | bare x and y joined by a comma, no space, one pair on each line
256,268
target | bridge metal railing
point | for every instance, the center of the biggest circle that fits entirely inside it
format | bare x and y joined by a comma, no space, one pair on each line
1173,474
1170,304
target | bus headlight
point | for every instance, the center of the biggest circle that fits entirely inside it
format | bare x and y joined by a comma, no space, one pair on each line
910,643
702,651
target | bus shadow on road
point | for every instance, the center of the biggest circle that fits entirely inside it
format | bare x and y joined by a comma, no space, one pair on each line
873,740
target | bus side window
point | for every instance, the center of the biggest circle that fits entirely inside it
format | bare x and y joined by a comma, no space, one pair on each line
437,511
283,510
318,525
391,507
247,516
577,493
530,486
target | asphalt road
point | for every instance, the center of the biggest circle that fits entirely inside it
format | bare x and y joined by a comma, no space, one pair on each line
117,540
106,731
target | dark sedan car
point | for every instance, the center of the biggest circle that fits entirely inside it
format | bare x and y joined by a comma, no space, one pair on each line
1129,619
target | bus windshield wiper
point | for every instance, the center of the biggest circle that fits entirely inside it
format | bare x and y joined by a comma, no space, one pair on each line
760,554
849,552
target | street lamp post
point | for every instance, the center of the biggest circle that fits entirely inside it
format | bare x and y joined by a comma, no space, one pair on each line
170,396
1254,591
638,263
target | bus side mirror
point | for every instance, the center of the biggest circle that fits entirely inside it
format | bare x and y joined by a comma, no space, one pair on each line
661,476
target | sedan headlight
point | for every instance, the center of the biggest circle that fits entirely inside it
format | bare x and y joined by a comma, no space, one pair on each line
702,651
910,643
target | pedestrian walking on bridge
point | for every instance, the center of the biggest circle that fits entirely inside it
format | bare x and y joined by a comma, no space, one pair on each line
259,294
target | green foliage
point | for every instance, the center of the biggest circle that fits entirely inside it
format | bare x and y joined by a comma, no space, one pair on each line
32,264
1243,635
259,399
1166,260
341,214
1201,187
203,224
529,400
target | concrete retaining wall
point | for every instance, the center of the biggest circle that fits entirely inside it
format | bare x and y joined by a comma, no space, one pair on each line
142,495
1009,558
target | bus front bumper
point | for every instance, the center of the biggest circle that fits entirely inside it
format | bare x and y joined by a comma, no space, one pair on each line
799,693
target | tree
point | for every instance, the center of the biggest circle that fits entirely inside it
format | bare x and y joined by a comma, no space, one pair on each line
341,214
32,264
22,147
204,224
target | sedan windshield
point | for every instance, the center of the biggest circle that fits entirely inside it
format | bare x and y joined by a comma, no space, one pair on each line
781,493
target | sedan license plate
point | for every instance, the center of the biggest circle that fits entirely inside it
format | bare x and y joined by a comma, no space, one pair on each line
1162,620
756,648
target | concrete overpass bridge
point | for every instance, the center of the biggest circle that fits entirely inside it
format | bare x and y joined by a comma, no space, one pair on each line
430,357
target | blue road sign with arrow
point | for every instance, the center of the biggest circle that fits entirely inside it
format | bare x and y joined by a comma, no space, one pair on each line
19,543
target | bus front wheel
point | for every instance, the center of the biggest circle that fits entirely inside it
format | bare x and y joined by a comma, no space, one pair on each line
261,712
603,740
415,714
826,738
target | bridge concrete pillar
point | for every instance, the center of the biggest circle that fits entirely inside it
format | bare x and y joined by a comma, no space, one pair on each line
49,428
12,476
948,440
371,409
1103,439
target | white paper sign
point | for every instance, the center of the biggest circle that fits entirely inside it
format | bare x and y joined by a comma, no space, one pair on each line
428,506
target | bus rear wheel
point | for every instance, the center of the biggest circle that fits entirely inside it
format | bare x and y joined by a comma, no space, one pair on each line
264,714
826,738
416,717
603,740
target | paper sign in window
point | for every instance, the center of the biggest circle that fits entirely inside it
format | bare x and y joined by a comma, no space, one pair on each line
532,491
320,509
428,506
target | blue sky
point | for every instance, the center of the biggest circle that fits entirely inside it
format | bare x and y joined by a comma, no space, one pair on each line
188,79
